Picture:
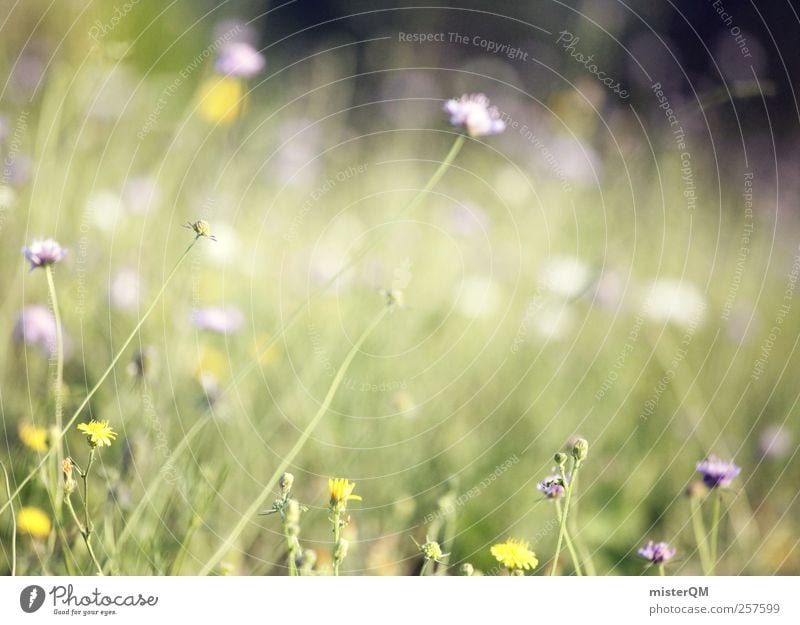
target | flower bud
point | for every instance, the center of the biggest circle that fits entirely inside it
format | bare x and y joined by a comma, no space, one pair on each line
286,482
69,482
580,449
341,550
467,569
560,459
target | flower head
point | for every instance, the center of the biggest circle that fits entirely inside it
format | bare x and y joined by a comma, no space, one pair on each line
475,115
201,229
99,433
36,326
515,555
432,550
33,437
717,473
341,491
240,59
34,522
43,252
553,486
657,553
221,100
220,319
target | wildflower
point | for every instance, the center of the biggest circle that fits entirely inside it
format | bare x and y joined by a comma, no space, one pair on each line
69,482
99,433
34,522
432,550
580,449
676,302
566,276
475,115
341,491
239,59
717,473
36,326
221,100
515,555
285,483
220,319
560,458
552,486
201,229
44,252
33,437
657,553
467,569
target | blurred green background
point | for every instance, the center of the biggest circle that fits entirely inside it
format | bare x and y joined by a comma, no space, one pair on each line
556,274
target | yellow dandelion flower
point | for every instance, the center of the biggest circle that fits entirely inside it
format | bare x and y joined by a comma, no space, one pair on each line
221,100
515,555
34,522
33,437
341,491
99,433
211,362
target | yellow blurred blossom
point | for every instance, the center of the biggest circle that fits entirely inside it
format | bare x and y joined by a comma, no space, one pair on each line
221,100
34,522
33,437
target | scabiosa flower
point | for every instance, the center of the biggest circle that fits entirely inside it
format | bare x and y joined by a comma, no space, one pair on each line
552,486
34,522
33,437
515,555
475,115
220,319
717,473
98,433
36,326
239,59
657,553
43,252
341,491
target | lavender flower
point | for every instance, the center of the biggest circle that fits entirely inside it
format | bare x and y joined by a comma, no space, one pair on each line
475,115
223,320
36,326
717,473
657,553
552,486
43,252
239,59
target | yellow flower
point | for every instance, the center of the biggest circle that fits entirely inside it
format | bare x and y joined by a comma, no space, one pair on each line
515,555
211,362
99,433
34,438
34,522
341,491
221,100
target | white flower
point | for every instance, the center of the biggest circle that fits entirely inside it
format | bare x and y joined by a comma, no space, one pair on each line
125,290
239,59
473,113
479,297
220,319
566,276
554,321
673,301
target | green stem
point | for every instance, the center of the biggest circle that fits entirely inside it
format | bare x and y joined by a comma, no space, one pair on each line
337,535
58,386
13,525
568,540
424,567
661,570
103,377
700,535
563,525
715,513
258,502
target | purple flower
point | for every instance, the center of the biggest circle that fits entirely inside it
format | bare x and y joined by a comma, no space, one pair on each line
224,320
43,252
239,59
36,326
717,473
657,553
475,115
552,486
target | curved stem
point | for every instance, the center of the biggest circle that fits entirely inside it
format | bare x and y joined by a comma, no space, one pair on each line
568,540
103,377
563,525
258,502
13,525
58,386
